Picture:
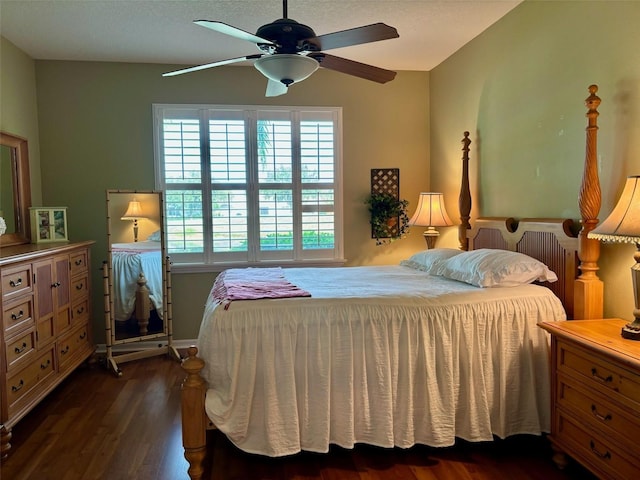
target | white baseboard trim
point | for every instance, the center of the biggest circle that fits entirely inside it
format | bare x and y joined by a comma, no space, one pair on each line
101,348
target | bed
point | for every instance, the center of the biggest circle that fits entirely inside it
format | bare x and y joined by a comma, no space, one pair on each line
398,355
137,281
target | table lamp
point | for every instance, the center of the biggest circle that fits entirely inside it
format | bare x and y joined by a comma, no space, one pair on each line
431,213
623,225
134,212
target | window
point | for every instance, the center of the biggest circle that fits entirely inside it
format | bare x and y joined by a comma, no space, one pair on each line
250,185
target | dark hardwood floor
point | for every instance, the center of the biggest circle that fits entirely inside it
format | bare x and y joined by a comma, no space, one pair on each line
95,426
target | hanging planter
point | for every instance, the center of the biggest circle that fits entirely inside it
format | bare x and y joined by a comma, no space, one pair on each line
389,219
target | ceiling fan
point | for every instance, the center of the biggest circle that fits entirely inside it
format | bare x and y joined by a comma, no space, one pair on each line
292,51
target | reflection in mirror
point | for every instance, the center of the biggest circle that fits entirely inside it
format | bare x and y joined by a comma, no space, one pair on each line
15,189
7,207
137,273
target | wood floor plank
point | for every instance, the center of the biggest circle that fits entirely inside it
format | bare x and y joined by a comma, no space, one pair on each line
95,426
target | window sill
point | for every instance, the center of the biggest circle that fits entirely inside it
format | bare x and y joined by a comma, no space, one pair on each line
178,268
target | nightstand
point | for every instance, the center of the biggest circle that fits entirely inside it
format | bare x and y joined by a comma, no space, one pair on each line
595,397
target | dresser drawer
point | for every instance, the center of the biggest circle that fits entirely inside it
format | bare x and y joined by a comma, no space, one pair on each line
78,262
596,372
598,411
73,344
17,316
24,381
16,281
602,456
80,312
79,288
20,349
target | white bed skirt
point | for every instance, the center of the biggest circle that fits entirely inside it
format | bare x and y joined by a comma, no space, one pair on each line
393,376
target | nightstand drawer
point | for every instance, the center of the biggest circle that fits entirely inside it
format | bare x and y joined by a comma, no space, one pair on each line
596,372
606,459
598,411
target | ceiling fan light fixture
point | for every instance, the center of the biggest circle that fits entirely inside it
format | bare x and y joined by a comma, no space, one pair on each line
286,68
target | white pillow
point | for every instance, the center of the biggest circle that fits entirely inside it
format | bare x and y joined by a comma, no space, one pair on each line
154,237
428,260
495,268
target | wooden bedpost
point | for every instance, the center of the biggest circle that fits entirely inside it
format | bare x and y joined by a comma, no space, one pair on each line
194,419
589,290
143,305
464,201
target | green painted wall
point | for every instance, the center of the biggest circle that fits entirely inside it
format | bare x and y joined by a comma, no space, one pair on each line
18,108
96,134
519,88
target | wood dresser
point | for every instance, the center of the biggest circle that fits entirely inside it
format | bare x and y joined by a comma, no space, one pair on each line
46,318
595,397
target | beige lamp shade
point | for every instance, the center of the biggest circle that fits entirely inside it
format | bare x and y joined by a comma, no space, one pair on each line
431,213
134,211
623,225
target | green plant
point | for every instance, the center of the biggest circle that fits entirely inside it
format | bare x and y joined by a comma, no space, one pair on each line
389,219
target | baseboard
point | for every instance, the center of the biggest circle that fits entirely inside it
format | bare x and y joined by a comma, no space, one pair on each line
101,348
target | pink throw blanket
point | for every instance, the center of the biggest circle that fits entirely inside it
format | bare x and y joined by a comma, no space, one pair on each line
253,284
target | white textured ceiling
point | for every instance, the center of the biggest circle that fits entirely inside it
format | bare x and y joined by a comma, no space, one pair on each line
161,31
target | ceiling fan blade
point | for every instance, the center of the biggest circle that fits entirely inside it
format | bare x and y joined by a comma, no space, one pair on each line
232,31
275,89
350,67
354,36
211,65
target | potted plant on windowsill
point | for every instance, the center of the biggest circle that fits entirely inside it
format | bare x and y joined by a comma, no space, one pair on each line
389,219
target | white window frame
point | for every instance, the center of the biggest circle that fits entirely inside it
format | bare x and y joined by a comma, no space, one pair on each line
210,261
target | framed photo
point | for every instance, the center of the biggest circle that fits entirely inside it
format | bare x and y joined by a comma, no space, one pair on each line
49,224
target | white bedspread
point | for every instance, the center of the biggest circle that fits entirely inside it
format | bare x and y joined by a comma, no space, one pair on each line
128,261
387,356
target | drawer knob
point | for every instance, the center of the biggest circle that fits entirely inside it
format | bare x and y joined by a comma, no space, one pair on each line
78,262
599,416
82,336
594,374
21,349
606,455
17,283
16,316
65,350
55,285
80,286
16,388
45,365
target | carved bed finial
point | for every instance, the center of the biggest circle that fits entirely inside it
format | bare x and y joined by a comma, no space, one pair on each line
194,436
589,290
464,201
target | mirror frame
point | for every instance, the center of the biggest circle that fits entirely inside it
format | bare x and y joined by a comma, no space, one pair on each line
111,321
21,189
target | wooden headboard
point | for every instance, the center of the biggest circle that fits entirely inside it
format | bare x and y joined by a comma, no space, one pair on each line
552,241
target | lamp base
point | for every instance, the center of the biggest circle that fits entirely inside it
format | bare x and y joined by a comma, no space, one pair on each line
631,330
430,236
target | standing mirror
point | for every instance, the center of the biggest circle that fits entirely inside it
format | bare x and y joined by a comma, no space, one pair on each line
136,277
15,189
